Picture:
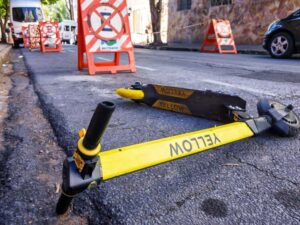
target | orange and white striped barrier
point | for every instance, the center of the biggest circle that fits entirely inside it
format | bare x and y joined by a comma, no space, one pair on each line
25,35
50,37
34,36
219,38
103,27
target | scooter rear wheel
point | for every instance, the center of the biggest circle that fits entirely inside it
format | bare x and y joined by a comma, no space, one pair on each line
288,126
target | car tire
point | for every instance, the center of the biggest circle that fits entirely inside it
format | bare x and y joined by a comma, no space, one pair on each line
281,45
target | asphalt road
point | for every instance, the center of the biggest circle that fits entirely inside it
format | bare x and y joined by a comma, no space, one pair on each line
255,181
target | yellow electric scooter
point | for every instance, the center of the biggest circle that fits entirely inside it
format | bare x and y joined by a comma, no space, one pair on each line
89,166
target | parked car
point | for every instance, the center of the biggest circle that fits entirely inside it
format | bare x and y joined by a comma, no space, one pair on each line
23,13
282,38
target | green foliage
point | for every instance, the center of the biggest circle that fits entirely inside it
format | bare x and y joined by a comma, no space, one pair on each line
4,7
2,12
59,11
49,2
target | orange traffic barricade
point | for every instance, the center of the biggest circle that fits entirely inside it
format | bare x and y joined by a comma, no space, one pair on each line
50,37
219,38
25,35
103,27
34,36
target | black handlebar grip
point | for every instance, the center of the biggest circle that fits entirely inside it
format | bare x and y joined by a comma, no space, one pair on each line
98,125
63,204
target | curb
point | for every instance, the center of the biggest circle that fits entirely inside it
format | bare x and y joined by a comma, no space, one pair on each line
167,48
186,49
253,52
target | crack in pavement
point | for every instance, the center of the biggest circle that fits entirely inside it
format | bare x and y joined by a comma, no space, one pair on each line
293,214
266,172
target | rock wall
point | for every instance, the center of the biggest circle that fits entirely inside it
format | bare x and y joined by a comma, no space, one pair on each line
249,19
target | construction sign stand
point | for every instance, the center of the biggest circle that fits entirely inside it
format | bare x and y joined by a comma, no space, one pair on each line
25,35
103,27
34,36
50,37
89,166
219,38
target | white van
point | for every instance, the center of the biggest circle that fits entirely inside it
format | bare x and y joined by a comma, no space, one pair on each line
23,13
68,31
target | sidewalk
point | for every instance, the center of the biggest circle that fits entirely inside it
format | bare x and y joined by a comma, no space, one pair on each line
242,49
4,53
5,86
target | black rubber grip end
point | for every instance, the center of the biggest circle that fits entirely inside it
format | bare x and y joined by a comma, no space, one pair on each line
63,204
98,124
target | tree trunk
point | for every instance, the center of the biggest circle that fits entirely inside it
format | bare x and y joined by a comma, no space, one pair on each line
3,34
72,10
70,7
156,8
3,22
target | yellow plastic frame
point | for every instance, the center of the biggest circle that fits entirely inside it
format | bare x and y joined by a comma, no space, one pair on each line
120,161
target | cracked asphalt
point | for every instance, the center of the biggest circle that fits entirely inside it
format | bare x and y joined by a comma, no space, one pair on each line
30,158
255,181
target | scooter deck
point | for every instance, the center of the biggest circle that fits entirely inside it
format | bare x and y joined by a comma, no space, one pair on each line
205,104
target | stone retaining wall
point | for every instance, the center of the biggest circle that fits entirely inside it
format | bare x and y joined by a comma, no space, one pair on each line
249,18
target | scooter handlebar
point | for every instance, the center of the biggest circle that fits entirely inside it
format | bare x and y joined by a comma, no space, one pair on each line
98,124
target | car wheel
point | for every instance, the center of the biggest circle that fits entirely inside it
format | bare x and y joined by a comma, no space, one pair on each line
281,45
